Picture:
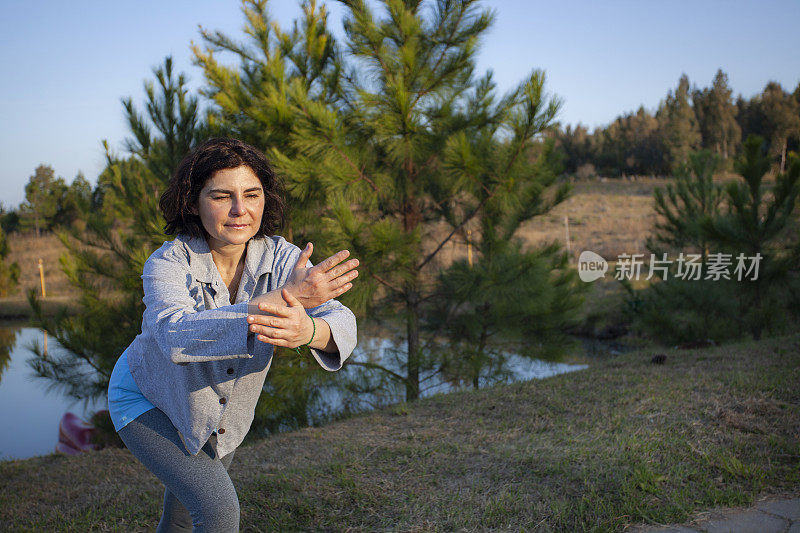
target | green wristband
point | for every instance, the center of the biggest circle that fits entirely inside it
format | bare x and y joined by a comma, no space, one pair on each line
312,336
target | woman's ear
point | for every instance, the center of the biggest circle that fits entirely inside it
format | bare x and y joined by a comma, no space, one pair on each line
193,210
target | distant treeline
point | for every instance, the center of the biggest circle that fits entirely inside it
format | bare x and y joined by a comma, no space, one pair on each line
50,203
688,119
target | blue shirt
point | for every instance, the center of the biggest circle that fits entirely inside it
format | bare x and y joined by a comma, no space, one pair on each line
125,400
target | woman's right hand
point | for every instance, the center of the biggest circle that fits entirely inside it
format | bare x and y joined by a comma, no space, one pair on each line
329,279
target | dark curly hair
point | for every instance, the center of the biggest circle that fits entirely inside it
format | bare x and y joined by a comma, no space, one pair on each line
198,166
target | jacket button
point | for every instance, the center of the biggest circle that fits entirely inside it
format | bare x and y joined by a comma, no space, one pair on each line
230,371
222,400
221,431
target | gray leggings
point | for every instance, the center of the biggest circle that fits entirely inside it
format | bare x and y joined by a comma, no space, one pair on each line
198,490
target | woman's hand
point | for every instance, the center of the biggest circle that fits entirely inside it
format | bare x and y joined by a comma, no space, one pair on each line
316,285
284,326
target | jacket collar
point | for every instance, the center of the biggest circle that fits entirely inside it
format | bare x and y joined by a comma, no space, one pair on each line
259,257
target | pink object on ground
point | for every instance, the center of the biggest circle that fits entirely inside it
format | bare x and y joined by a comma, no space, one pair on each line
74,435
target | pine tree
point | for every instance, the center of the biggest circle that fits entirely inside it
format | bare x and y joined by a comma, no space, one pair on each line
679,126
683,206
415,149
9,219
252,100
751,226
577,147
750,117
753,223
512,298
76,203
716,115
632,144
782,115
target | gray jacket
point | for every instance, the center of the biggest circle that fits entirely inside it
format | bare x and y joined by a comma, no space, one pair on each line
195,358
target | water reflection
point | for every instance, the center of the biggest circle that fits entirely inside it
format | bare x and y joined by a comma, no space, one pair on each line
361,389
32,424
8,338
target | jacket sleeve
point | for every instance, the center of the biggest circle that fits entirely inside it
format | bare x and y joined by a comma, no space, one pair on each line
341,320
183,333
343,330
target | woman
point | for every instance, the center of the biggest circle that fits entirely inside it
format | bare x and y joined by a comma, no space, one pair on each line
218,298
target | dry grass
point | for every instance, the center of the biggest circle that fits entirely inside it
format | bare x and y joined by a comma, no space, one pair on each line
607,217
26,250
619,443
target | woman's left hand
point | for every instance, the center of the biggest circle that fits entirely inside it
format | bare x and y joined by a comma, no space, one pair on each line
284,326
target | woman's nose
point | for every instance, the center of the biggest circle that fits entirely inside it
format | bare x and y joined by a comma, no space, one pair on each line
237,206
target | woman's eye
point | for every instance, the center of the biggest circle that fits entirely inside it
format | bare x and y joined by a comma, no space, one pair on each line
252,195
219,197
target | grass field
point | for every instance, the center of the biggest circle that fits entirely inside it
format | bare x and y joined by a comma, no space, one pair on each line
622,442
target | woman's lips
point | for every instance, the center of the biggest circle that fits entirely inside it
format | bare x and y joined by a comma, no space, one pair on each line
237,226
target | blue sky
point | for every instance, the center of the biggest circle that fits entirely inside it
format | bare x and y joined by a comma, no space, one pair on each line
66,65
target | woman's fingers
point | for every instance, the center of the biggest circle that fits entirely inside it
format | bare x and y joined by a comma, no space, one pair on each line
278,310
272,333
350,276
267,324
266,320
274,341
338,283
343,289
333,260
342,269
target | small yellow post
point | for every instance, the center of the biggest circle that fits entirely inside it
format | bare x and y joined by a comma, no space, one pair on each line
469,247
566,228
41,278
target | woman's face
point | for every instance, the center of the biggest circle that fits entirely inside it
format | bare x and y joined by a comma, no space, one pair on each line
230,206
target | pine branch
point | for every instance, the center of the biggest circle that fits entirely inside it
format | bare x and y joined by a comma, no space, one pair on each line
341,153
387,284
376,366
457,228
433,84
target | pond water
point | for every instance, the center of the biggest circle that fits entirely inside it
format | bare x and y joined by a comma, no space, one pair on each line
30,413
33,412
